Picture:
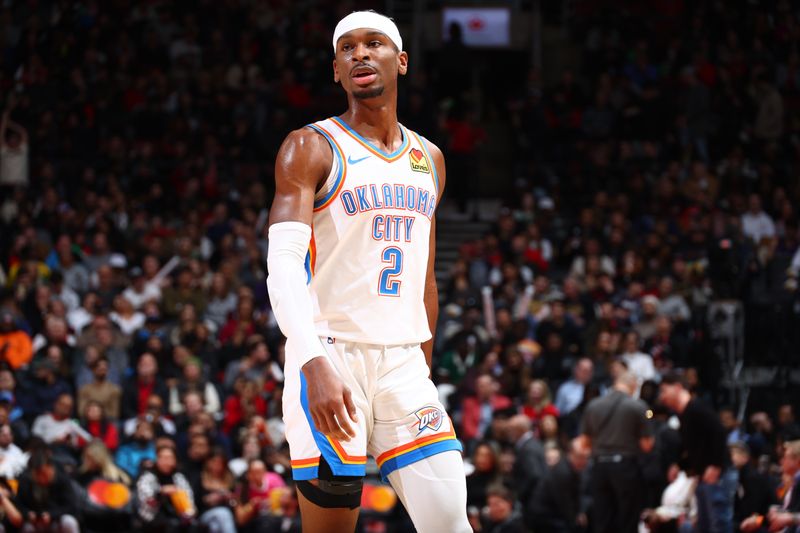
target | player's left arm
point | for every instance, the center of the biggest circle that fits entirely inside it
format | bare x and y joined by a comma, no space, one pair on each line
431,289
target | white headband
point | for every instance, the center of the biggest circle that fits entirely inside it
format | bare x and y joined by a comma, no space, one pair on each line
368,19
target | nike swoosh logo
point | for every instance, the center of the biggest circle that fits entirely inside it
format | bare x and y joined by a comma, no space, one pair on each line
352,161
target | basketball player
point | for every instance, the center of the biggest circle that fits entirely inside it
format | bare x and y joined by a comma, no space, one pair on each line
351,281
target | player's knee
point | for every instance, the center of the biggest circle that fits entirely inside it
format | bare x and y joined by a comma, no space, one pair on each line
331,491
333,494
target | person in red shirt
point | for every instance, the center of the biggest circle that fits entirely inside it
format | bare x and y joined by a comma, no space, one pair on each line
477,410
243,404
95,422
538,402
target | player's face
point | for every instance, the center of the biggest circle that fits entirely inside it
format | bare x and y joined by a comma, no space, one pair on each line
367,63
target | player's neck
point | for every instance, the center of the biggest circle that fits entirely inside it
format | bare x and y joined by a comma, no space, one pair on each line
376,121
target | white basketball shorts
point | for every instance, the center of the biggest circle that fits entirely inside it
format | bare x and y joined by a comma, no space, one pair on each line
400,418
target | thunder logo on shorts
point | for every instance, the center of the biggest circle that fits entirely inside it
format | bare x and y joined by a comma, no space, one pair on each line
429,417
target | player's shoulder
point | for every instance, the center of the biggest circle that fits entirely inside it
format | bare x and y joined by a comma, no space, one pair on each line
305,144
305,138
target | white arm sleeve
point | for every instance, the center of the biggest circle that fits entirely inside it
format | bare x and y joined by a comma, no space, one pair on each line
288,293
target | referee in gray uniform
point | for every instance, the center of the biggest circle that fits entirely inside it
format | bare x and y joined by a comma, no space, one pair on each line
617,429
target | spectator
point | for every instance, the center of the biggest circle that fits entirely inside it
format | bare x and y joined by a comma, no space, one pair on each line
538,403
787,515
215,496
484,473
704,455
153,414
140,291
13,151
252,367
141,449
756,224
501,516
529,460
105,393
165,500
245,402
570,393
138,389
12,518
556,504
46,497
96,424
104,513
476,411
58,428
222,301
12,459
754,493
193,381
125,315
639,364
253,510
182,293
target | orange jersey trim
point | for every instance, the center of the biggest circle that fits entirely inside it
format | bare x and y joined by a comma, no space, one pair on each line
419,443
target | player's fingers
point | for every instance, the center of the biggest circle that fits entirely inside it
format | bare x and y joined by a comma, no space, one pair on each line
350,405
332,428
319,422
344,423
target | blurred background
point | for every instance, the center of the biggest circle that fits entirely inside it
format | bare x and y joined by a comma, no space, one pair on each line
623,191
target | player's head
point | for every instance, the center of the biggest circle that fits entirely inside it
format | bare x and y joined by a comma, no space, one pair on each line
368,54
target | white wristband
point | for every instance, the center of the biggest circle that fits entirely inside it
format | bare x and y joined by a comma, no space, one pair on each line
288,292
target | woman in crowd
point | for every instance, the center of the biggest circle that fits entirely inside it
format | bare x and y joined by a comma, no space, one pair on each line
95,422
214,494
486,472
538,402
165,500
109,506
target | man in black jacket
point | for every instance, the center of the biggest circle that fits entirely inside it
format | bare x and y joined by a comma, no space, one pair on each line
704,455
755,493
529,463
46,497
556,503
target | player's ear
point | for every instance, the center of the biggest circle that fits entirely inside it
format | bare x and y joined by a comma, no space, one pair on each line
402,63
335,71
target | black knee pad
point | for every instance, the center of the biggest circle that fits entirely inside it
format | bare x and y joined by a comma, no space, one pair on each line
332,492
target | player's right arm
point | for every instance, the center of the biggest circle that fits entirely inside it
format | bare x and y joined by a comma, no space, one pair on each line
304,161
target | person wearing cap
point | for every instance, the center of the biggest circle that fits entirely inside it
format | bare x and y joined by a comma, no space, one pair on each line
357,298
140,291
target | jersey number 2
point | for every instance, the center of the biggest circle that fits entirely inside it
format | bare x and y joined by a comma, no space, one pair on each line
387,284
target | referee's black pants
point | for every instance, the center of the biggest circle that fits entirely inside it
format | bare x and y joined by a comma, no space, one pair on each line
617,495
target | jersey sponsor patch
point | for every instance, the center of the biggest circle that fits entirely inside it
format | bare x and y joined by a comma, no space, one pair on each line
419,163
429,417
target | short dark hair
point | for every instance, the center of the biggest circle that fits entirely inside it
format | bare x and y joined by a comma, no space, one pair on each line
500,491
675,377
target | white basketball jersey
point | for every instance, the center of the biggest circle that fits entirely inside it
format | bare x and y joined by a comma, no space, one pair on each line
370,236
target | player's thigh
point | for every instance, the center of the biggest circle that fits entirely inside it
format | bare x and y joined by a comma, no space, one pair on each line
316,519
434,492
410,422
307,445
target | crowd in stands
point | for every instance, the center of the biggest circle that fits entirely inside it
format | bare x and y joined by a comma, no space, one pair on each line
141,373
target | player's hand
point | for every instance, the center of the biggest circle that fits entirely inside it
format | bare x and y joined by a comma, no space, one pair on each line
329,400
